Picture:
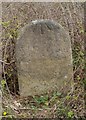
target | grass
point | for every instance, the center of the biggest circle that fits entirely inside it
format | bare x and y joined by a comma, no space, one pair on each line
54,104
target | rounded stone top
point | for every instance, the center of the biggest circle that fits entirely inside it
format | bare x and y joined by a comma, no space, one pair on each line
42,26
43,53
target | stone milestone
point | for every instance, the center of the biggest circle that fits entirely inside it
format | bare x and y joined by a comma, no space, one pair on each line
44,58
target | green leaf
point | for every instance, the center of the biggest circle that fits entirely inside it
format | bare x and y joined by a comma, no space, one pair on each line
5,24
70,114
3,82
41,99
56,94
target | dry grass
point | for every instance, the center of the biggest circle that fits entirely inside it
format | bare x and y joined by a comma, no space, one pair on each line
15,16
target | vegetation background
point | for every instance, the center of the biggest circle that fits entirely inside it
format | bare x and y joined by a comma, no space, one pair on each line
14,16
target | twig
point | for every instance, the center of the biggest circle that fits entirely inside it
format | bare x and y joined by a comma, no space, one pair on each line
6,62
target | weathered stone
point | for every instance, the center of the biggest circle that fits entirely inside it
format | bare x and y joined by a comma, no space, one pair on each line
44,58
